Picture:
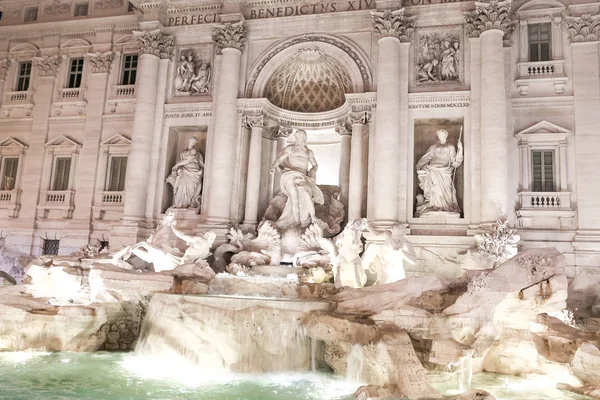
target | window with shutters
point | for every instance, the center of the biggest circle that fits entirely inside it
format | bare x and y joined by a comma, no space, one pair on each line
23,76
540,41
129,70
10,167
62,172
543,166
75,73
116,176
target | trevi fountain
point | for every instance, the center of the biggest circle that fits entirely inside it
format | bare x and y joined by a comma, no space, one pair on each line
303,308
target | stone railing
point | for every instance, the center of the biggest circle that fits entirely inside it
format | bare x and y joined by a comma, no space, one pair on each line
112,198
6,196
74,94
57,196
17,97
123,92
541,71
545,200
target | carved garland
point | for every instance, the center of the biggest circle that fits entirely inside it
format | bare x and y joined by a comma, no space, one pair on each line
47,66
311,38
493,15
57,8
100,62
155,43
584,29
230,36
393,24
4,65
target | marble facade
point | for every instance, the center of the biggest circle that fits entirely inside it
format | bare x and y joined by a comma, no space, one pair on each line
355,83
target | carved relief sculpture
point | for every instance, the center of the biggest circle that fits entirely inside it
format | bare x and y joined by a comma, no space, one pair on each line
4,66
100,63
230,35
585,28
493,15
435,171
438,57
192,75
57,8
155,43
103,4
48,65
393,24
186,177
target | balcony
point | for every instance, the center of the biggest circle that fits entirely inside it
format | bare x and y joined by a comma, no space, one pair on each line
122,92
71,94
551,210
9,203
108,206
552,72
56,203
13,98
112,198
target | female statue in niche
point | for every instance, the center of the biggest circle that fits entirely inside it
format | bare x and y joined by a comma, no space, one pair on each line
435,171
186,177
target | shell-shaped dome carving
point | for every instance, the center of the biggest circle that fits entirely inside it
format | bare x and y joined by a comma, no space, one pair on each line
309,81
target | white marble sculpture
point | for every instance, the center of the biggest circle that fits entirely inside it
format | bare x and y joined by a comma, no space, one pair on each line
186,177
438,57
387,260
347,264
159,251
500,243
192,75
436,171
297,183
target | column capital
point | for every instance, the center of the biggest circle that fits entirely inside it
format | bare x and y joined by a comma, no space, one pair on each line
341,129
282,132
47,65
4,66
156,43
359,118
230,35
584,29
251,121
100,63
393,24
491,15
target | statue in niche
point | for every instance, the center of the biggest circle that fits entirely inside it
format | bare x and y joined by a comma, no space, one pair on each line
435,172
386,261
186,177
192,75
298,184
438,58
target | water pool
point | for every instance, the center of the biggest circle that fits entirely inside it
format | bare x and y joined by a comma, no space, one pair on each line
122,376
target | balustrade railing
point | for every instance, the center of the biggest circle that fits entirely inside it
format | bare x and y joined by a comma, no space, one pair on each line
123,92
17,97
6,196
545,200
541,69
112,198
71,94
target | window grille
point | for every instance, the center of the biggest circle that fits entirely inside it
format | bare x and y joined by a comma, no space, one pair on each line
51,246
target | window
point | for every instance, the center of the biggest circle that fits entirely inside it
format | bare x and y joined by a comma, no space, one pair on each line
24,76
130,62
81,10
62,170
31,14
51,246
116,178
539,38
543,170
75,73
9,173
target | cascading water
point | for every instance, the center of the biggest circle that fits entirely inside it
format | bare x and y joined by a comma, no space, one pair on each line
465,373
355,363
235,334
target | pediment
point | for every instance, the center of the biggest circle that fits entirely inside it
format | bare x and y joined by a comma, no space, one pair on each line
62,141
116,140
11,145
544,130
534,7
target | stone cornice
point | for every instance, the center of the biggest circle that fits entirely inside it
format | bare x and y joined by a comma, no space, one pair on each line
229,36
393,24
543,102
488,16
584,29
156,43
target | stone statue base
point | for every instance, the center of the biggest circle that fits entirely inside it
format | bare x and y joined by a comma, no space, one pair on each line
440,216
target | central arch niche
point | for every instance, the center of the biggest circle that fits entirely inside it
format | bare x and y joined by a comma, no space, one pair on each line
308,81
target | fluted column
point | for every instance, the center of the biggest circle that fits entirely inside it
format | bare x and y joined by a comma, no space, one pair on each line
229,41
585,35
344,170
154,46
393,28
256,125
491,22
358,120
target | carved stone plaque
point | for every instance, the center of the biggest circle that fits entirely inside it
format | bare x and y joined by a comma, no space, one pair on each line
193,72
439,56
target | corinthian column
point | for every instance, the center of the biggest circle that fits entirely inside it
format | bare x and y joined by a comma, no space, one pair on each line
585,35
358,120
256,124
344,170
492,24
395,31
154,46
229,41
